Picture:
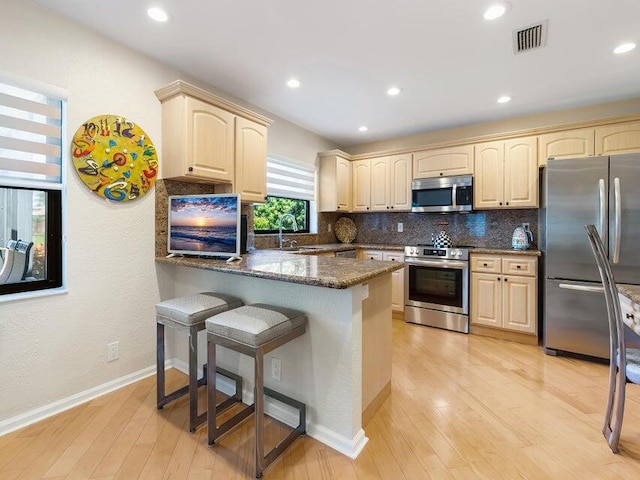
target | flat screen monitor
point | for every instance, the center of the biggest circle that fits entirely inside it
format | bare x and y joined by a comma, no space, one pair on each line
204,225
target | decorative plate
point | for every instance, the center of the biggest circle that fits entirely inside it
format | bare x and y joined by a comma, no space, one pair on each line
346,230
115,158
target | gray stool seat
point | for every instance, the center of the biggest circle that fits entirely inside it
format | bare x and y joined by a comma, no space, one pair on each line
254,330
188,314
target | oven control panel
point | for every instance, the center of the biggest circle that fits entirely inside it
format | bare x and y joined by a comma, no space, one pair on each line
442,253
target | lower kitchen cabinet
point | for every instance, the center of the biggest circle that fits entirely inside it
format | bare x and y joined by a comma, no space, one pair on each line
397,277
504,293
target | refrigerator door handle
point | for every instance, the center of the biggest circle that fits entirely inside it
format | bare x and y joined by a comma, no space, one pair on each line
618,219
603,211
581,288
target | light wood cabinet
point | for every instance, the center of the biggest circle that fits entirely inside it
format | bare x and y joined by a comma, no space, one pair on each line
251,164
391,183
207,139
361,185
506,298
335,183
397,277
197,140
619,138
443,162
567,144
506,174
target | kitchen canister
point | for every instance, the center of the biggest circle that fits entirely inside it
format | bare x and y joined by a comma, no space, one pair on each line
442,240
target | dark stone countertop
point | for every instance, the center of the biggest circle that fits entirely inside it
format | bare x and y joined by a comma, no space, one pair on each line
632,292
300,267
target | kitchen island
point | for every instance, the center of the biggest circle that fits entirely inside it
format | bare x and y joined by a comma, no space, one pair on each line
341,367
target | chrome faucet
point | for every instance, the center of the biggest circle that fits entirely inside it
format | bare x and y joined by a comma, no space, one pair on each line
295,225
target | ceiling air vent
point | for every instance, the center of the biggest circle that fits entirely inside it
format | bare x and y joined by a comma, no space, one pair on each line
531,37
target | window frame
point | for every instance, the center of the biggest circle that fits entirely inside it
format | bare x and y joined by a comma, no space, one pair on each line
55,209
289,230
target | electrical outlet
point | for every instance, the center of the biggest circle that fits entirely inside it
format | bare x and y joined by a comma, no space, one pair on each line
276,369
400,227
329,228
113,351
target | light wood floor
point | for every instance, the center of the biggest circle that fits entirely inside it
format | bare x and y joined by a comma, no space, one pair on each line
462,407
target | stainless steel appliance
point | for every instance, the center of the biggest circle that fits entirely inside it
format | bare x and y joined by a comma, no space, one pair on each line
604,191
442,194
437,287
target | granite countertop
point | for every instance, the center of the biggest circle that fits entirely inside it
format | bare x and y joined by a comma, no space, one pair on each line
506,251
632,292
307,268
341,247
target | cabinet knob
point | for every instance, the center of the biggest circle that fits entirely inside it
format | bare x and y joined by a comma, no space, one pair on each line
505,279
441,173
391,207
500,203
498,278
518,266
191,169
507,203
387,207
484,264
630,316
367,208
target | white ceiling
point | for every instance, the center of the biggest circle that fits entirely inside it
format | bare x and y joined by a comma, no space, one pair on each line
451,63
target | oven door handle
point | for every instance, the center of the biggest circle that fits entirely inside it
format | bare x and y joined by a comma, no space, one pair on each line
453,264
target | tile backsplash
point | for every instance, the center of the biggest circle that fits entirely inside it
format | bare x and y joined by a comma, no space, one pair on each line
490,228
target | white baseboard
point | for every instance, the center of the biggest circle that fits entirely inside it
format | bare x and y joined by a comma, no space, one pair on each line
24,419
273,408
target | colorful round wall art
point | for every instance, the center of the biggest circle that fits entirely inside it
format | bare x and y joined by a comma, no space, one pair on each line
115,158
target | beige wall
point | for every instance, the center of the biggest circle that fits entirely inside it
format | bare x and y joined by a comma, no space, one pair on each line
54,347
549,119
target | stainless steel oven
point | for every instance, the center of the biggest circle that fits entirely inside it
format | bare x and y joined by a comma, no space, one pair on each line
437,287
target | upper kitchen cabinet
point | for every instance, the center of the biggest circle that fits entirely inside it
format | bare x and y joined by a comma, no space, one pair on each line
335,182
506,174
567,144
391,183
251,165
443,162
619,138
208,139
361,185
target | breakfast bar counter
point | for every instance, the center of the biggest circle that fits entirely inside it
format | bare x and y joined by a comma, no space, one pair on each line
340,368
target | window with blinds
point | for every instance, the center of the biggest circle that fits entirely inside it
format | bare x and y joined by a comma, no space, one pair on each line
31,185
290,189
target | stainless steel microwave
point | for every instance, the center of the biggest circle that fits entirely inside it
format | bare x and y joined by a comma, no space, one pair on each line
442,194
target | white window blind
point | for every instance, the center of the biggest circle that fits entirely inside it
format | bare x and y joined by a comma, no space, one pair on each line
30,135
291,180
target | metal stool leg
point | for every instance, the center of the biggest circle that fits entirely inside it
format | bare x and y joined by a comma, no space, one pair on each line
194,421
211,392
259,412
160,365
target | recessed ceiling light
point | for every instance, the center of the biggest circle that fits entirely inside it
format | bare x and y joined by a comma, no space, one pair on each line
293,83
504,99
363,128
158,14
393,91
496,11
624,48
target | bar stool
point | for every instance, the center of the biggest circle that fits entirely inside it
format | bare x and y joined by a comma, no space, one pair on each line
254,330
188,314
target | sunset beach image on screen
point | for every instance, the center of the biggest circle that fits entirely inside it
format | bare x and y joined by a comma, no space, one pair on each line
204,224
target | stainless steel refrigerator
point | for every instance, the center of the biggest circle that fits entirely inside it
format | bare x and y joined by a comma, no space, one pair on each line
604,191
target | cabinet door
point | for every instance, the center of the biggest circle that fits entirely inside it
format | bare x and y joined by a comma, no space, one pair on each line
443,161
569,144
343,184
521,173
380,184
488,181
520,304
486,300
622,138
209,141
397,282
400,182
361,185
251,161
